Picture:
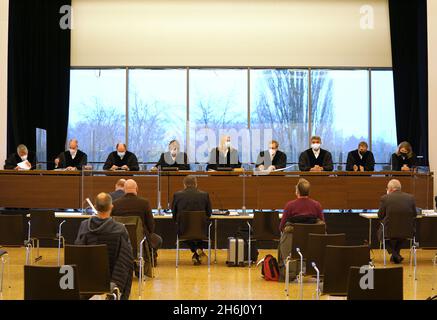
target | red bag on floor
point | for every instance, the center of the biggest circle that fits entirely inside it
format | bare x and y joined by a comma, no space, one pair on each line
270,268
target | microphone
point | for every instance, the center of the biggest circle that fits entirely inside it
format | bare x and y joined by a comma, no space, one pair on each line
222,210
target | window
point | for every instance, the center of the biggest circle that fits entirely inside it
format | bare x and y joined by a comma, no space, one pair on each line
279,110
157,111
218,106
383,116
97,111
340,110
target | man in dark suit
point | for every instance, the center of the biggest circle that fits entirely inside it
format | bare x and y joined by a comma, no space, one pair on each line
271,159
173,158
360,159
119,190
398,212
24,156
133,205
73,158
316,158
192,199
121,159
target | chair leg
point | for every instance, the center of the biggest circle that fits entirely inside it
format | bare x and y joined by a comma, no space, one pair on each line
383,244
177,251
209,246
287,276
153,263
249,247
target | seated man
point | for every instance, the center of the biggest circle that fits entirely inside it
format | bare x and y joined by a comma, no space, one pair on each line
303,209
173,158
223,156
24,157
102,226
132,205
315,158
119,190
192,199
72,159
271,159
397,210
360,159
121,159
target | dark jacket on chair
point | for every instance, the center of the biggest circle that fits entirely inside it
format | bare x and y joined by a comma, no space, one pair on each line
398,212
114,234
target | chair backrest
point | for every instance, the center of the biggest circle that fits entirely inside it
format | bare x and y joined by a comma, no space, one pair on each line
300,236
338,260
11,230
401,225
387,284
44,283
265,225
427,232
92,263
43,224
316,249
192,225
134,226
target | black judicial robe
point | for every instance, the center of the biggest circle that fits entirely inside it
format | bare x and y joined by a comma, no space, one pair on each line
65,160
279,159
14,159
353,158
307,160
166,160
218,160
397,161
129,159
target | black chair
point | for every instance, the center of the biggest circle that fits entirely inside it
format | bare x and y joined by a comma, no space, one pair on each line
316,249
387,284
338,260
45,283
301,232
93,268
427,234
399,231
193,225
11,230
43,225
264,227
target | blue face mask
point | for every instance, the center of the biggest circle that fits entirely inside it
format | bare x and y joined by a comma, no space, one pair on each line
121,154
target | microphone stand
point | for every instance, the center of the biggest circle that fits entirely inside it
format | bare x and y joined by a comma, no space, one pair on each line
300,279
318,280
159,192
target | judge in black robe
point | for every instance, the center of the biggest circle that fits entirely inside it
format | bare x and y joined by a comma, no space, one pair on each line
360,159
173,158
121,159
14,159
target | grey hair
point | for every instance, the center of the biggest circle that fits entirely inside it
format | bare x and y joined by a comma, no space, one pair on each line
394,184
22,147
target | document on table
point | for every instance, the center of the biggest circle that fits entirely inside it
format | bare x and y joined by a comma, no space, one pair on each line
24,165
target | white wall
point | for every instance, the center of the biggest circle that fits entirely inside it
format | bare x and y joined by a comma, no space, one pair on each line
229,33
432,86
3,78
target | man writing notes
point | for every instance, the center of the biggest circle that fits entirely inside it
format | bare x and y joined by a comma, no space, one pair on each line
73,158
360,159
121,159
23,159
271,159
315,158
224,156
173,157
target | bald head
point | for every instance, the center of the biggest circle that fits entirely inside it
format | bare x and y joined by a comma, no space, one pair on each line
130,186
393,185
73,144
104,204
120,184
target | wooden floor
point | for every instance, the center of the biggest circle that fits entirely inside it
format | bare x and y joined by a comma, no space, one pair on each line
222,282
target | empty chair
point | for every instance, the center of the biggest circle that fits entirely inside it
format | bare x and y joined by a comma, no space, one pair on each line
44,283
43,225
93,266
316,249
264,227
387,284
427,232
300,237
338,260
11,230
193,225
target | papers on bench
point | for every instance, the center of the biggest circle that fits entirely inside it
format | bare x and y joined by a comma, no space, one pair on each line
429,213
24,165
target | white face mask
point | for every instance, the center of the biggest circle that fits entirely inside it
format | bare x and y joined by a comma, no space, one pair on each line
24,158
174,152
121,154
272,152
227,144
73,151
315,146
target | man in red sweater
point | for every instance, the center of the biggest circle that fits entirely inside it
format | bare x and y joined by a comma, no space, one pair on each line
303,209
